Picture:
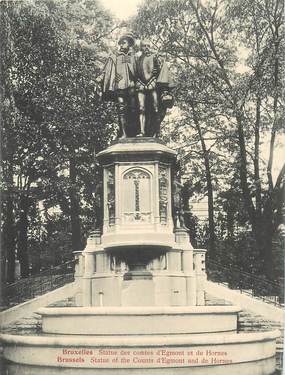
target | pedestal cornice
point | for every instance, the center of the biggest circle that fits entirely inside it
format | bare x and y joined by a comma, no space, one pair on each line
140,149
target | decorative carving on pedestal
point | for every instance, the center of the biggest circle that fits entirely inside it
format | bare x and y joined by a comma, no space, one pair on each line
111,195
118,265
158,264
163,194
137,184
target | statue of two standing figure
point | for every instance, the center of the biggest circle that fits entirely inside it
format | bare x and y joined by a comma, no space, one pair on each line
140,84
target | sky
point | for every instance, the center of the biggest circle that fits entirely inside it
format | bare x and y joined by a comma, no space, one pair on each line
122,9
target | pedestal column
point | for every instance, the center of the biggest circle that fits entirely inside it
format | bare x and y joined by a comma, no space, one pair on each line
199,261
78,276
187,259
89,267
182,237
87,279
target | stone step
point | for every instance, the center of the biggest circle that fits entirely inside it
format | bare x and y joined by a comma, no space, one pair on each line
250,322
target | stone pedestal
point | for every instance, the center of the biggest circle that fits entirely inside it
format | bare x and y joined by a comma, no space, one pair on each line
139,259
137,193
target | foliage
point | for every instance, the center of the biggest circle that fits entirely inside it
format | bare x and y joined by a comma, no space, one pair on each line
228,59
54,121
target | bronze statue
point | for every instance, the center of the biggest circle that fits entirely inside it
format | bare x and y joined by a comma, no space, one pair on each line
178,211
118,82
140,85
152,86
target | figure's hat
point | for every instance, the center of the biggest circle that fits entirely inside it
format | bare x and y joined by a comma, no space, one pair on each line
129,37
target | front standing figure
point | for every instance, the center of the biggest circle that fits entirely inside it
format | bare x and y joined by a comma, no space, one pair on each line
152,87
118,83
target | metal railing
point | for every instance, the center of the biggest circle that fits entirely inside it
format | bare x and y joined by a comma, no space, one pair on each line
36,285
255,286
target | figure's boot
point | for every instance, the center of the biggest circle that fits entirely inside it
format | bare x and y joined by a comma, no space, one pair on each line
122,119
156,123
142,122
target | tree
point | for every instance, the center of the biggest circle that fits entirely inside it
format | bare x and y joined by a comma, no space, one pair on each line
57,121
204,42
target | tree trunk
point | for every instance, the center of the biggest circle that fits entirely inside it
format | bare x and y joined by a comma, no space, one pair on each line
9,222
256,159
270,224
212,234
23,237
255,217
10,239
243,173
211,220
74,209
8,117
266,242
275,113
264,223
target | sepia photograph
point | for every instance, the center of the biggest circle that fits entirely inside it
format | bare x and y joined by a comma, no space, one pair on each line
142,187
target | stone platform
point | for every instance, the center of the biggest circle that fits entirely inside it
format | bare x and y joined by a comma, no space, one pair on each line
146,353
254,367
144,320
264,367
